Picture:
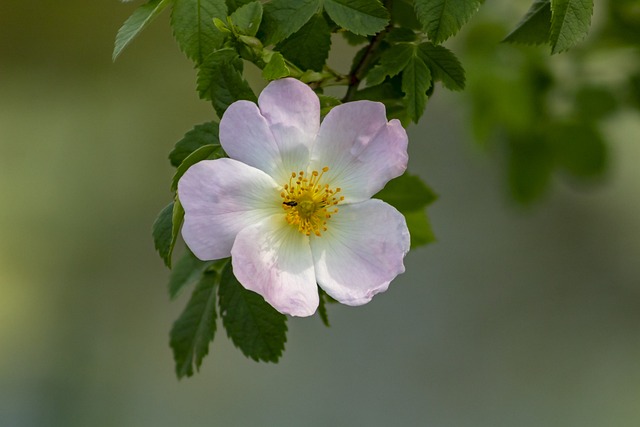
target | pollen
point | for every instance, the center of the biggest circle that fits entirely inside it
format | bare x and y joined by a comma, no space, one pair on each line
308,203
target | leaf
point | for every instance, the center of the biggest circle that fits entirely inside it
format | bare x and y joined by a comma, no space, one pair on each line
255,327
362,17
392,61
531,162
570,21
416,80
444,65
407,193
579,148
199,136
186,271
193,28
327,103
163,234
534,28
275,68
220,80
202,153
419,228
196,327
403,15
247,18
138,21
441,19
322,307
232,5
282,18
308,48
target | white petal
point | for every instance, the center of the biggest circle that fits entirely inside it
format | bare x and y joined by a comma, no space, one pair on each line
276,137
221,197
362,150
361,252
274,259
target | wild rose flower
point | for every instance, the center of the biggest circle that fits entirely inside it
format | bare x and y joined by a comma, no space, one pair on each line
292,205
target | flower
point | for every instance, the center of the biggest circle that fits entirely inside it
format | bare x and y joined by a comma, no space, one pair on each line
292,204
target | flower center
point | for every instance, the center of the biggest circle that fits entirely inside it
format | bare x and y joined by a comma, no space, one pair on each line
309,203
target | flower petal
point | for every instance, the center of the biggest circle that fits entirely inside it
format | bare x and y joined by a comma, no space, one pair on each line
274,259
362,150
221,197
276,137
361,252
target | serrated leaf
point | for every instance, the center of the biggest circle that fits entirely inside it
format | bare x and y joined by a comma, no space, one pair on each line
202,153
186,272
247,18
196,327
362,17
255,327
419,228
534,28
416,80
281,18
162,231
392,62
407,193
201,135
193,28
138,20
441,19
444,65
220,80
570,21
309,47
276,68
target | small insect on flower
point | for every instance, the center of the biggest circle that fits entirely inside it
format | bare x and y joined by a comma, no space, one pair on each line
291,203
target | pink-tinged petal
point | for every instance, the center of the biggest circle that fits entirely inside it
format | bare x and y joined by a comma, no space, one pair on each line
361,252
362,150
274,259
277,136
221,197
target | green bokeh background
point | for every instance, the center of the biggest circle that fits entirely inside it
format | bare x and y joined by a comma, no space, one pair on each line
514,318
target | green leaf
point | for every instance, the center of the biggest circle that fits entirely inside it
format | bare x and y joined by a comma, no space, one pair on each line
186,271
579,148
196,327
416,80
441,19
199,136
220,80
275,68
570,21
255,327
322,307
407,193
163,236
138,20
202,153
534,28
392,62
232,5
363,17
284,17
444,65
327,103
309,47
403,15
247,18
531,162
419,228
193,28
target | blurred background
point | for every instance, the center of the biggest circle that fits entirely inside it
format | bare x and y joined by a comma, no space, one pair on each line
515,317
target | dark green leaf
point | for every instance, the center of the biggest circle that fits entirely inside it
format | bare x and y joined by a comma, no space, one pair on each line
407,193
419,228
530,166
595,102
399,35
275,68
199,136
192,24
441,19
327,103
186,271
140,18
354,39
570,21
247,18
416,80
534,28
309,47
579,148
196,327
444,65
163,236
322,308
392,61
363,17
403,14
202,153
232,5
284,17
255,327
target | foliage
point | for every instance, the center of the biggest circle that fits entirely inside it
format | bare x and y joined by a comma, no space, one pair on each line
400,62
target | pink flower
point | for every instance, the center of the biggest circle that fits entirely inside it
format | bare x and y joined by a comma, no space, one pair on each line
292,205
